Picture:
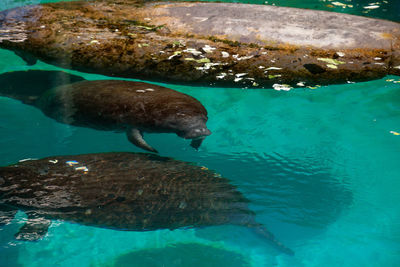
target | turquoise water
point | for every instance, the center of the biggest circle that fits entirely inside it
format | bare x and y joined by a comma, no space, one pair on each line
321,168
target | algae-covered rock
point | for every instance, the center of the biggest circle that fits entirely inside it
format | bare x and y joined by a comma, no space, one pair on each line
204,43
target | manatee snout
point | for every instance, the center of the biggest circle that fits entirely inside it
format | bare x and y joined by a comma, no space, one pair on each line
195,128
200,132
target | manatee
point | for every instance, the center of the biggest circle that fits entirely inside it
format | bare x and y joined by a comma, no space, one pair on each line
113,105
223,44
122,191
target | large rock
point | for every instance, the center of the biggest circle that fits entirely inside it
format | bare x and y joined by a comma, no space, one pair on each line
204,43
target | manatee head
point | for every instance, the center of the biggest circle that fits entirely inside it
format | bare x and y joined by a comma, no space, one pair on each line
189,127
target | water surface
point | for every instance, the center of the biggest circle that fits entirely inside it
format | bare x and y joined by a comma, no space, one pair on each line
320,167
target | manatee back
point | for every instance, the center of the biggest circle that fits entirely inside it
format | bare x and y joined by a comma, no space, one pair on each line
114,104
124,191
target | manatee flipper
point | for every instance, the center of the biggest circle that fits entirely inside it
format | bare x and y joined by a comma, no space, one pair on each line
28,58
35,228
262,231
196,143
135,136
6,214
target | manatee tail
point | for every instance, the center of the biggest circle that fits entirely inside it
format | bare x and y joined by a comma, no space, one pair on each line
262,231
28,86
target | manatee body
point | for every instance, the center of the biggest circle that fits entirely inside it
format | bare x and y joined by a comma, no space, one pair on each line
123,191
121,106
224,44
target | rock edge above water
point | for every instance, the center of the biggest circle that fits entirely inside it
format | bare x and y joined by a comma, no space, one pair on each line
219,44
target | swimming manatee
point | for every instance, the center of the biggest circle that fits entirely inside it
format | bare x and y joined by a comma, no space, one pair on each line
114,105
122,191
224,44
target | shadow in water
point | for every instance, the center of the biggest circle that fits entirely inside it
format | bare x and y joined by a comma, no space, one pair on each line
190,254
304,191
27,86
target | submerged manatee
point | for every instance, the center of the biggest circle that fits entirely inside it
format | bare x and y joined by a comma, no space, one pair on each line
124,191
122,106
223,44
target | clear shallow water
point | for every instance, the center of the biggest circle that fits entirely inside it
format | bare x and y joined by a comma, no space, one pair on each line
319,166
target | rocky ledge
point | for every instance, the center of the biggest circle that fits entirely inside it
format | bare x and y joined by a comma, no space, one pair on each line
204,43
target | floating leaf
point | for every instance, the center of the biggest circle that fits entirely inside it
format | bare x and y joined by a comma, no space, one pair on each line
274,76
208,49
203,60
331,61
331,66
314,87
145,27
225,54
192,51
300,84
372,7
176,53
279,87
